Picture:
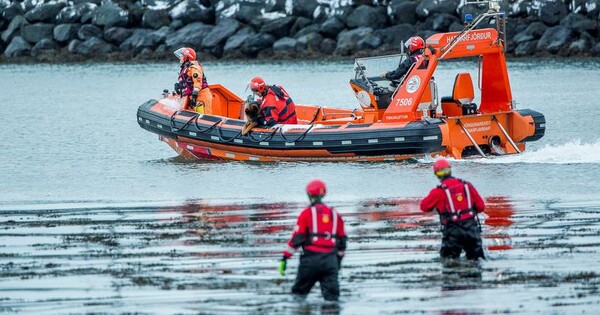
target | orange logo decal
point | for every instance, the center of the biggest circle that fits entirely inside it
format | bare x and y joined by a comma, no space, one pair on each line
325,219
459,198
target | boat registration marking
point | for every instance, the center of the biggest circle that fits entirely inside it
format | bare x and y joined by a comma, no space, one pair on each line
399,139
430,138
214,138
373,140
238,140
317,143
290,144
193,133
264,143
347,142
230,155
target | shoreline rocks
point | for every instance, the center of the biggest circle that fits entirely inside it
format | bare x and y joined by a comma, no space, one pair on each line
64,31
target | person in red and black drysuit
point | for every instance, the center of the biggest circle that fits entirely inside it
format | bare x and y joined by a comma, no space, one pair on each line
320,233
416,47
276,106
457,203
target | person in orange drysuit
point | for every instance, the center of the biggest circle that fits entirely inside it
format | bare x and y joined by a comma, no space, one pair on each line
192,82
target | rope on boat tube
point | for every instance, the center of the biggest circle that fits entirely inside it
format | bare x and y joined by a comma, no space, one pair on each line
299,137
207,128
220,133
267,138
172,122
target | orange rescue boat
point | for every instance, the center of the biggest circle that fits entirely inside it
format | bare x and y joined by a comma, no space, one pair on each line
391,124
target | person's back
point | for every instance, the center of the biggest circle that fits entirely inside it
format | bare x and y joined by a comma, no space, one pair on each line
277,107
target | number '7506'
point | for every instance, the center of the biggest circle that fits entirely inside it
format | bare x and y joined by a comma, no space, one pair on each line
404,102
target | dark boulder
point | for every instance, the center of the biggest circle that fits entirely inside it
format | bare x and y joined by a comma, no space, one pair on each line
571,19
347,40
526,48
34,33
275,6
536,29
88,31
370,42
73,14
117,35
304,8
248,13
309,42
190,35
328,46
44,13
136,13
145,38
522,37
395,35
12,10
442,22
94,47
109,14
307,30
403,11
342,13
592,9
366,16
519,9
331,27
44,46
285,44
579,46
14,28
220,33
64,33
156,19
279,27
456,27
300,23
235,42
595,51
432,7
587,26
176,24
190,11
17,47
551,12
425,34
72,47
257,43
555,38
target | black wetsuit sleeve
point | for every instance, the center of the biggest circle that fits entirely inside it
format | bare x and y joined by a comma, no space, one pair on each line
402,69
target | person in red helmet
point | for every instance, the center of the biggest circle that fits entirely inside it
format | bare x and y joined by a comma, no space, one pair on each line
192,82
457,203
320,233
416,47
276,106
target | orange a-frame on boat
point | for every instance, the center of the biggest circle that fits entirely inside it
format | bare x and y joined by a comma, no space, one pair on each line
391,124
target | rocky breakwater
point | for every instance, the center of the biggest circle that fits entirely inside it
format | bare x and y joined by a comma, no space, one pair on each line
60,30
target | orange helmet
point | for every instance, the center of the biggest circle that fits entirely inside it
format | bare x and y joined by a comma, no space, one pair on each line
415,43
441,168
257,84
185,54
316,188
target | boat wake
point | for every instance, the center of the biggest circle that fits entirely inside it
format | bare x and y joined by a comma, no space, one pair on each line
574,152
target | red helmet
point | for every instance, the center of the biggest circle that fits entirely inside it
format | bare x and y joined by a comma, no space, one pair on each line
440,165
257,84
316,188
415,43
185,54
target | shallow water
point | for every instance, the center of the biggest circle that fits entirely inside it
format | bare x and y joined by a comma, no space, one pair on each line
98,215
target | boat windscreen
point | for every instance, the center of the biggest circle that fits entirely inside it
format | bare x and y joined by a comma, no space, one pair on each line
373,66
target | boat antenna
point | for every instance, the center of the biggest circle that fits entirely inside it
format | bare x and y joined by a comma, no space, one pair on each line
492,12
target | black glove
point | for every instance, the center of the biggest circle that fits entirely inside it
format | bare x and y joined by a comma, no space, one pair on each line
177,88
193,99
339,258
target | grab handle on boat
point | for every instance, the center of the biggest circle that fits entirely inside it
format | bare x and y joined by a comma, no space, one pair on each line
471,138
506,134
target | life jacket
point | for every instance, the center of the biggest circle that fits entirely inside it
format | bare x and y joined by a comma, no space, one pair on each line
321,234
186,81
286,109
459,206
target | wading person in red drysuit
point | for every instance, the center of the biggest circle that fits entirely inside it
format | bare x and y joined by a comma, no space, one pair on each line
276,106
457,203
320,233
